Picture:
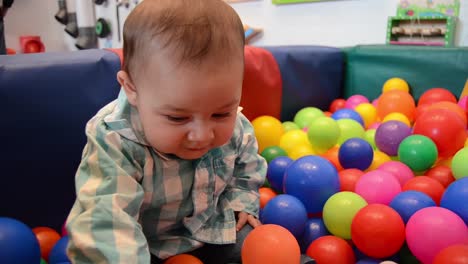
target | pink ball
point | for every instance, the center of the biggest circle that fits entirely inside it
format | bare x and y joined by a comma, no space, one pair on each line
64,230
462,102
355,100
374,125
432,229
375,101
378,186
400,170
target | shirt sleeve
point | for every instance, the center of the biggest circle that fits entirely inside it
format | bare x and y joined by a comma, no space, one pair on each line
249,172
103,223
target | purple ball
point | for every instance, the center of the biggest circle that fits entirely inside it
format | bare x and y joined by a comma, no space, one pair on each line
389,135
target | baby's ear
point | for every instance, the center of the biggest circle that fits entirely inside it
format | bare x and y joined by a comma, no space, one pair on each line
126,82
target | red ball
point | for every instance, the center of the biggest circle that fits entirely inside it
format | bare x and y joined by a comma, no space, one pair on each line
424,184
183,259
378,231
47,238
444,127
32,47
442,174
331,249
337,104
435,95
455,254
349,178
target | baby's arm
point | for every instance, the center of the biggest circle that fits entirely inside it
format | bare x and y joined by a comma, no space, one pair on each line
103,225
249,173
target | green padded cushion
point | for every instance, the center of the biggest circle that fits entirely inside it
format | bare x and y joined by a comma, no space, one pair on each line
369,66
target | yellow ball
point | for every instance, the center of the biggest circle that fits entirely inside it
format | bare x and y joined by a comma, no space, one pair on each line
368,112
395,84
301,151
293,138
268,131
466,142
379,159
397,117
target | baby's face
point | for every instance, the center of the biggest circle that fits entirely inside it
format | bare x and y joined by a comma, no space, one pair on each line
187,111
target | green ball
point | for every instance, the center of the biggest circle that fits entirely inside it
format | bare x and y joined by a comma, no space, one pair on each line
289,125
369,136
307,115
418,152
339,212
43,261
460,164
271,152
349,129
323,132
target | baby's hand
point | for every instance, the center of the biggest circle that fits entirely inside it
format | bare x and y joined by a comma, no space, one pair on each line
243,218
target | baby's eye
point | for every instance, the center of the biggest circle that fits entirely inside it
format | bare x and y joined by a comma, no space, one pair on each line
221,115
178,119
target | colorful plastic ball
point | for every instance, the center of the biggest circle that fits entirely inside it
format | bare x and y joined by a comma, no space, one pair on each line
369,136
300,151
268,131
346,113
287,211
339,212
397,117
432,229
313,180
332,156
456,197
355,100
441,173
271,244
183,259
459,164
323,132
378,231
455,254
421,109
400,170
389,136
378,186
306,115
435,95
463,102
331,249
418,152
349,129
58,254
451,106
409,202
64,231
395,84
289,125
47,237
293,138
368,112
374,125
445,128
43,261
271,152
337,104
396,101
18,244
314,228
379,159
356,153
368,261
266,194
276,170
349,178
424,184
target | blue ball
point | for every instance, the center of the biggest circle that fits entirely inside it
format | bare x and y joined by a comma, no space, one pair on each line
409,202
275,172
355,153
314,228
18,243
287,211
455,197
346,113
312,179
58,254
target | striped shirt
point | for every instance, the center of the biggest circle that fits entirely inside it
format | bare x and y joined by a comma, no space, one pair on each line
133,201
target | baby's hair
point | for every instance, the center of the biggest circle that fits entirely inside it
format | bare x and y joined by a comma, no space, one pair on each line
188,30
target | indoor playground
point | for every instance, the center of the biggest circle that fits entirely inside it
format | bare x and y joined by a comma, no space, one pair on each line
359,107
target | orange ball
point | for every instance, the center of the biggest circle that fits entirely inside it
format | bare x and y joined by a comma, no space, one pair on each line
396,101
183,259
332,156
266,194
47,238
272,244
